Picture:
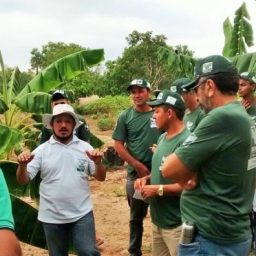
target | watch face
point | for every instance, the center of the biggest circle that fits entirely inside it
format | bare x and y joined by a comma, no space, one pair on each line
160,190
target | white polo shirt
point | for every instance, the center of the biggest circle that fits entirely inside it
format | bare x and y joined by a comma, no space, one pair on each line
64,189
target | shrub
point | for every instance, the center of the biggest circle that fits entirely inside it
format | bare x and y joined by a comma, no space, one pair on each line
105,124
111,105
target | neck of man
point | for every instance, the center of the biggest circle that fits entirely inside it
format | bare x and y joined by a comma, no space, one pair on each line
174,128
249,98
192,106
142,108
223,99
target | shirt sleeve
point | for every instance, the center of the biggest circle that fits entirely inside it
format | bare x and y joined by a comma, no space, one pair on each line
90,168
34,166
120,131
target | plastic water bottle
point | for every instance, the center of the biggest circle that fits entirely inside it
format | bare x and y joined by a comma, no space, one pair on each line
187,233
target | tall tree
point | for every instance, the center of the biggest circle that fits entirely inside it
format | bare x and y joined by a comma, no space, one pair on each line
51,52
141,59
36,60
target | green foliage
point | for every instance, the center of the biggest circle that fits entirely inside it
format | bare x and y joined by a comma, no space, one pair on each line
51,52
238,36
141,59
109,105
87,84
106,123
105,110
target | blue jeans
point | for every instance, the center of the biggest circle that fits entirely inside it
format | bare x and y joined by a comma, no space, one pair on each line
204,247
81,233
253,228
138,211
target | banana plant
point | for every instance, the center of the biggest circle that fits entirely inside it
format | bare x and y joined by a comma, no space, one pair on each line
238,36
17,103
17,106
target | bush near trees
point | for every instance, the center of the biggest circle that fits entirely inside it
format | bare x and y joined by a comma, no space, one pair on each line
105,110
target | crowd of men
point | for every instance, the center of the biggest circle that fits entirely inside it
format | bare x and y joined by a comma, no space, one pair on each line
191,155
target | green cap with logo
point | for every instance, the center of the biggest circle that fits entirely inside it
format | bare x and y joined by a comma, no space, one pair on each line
248,76
140,83
176,86
59,94
209,66
166,97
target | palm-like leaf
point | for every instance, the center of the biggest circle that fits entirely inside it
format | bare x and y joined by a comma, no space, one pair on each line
62,70
3,107
227,29
181,64
9,138
245,62
240,35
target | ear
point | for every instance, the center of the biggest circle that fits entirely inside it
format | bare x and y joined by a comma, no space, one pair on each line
210,88
170,113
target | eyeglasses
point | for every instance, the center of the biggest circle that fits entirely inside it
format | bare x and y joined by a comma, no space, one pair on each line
195,89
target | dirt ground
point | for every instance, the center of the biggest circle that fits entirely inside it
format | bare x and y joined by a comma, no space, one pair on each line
111,211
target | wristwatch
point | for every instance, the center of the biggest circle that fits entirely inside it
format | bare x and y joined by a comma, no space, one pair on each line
160,190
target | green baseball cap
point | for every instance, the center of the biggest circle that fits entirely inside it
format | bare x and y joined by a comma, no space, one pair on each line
139,82
59,94
176,86
248,76
209,66
166,97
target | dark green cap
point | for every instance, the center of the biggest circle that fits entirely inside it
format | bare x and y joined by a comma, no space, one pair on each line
248,76
166,97
209,66
177,85
59,94
139,82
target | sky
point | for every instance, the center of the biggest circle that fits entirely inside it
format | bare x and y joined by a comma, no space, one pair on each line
28,24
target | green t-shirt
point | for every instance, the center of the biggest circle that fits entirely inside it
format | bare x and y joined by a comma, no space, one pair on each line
219,150
192,119
165,210
139,132
6,218
252,111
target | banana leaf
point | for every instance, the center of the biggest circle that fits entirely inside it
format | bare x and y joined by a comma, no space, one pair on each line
95,141
35,102
240,35
9,138
245,62
227,29
64,69
3,106
9,170
28,229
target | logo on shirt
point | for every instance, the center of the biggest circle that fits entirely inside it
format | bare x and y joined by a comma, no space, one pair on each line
191,138
152,123
81,165
189,124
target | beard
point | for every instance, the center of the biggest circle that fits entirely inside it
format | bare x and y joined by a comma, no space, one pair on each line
64,139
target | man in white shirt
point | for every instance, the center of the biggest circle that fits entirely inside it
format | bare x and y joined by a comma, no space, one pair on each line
65,162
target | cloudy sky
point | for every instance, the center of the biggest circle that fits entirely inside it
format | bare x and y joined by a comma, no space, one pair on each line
27,24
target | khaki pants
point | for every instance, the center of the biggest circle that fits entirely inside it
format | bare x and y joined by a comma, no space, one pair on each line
165,241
